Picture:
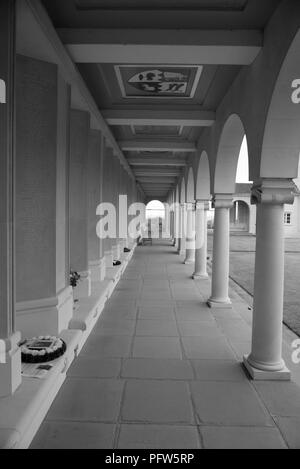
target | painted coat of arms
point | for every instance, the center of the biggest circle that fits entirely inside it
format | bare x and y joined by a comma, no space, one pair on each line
161,82
158,81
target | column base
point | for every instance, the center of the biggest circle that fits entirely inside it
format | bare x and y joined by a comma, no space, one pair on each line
189,261
266,375
97,269
10,365
47,316
226,303
197,276
84,287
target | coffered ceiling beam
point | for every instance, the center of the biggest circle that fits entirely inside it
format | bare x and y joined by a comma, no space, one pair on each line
157,174
149,161
153,145
153,186
186,47
161,118
148,180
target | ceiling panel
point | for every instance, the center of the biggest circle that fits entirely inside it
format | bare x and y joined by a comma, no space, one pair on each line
195,5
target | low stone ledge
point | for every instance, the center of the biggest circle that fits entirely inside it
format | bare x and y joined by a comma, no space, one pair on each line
22,414
90,308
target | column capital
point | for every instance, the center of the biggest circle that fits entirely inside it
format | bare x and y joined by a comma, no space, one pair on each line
202,204
273,192
190,205
222,201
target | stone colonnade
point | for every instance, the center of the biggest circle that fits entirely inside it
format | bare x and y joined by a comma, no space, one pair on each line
270,195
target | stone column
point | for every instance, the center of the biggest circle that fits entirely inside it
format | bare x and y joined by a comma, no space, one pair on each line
190,234
202,206
265,360
182,234
96,259
44,296
79,143
172,226
222,204
167,222
10,355
177,224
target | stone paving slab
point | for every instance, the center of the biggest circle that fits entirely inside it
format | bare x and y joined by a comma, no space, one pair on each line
157,401
229,403
158,437
115,327
98,367
74,435
242,438
156,327
112,346
218,370
157,347
147,368
163,370
206,348
86,399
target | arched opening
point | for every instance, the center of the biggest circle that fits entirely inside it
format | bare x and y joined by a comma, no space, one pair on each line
281,135
155,209
203,191
242,214
242,211
155,218
239,217
203,178
242,172
228,154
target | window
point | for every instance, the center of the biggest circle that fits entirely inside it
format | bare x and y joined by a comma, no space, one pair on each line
287,218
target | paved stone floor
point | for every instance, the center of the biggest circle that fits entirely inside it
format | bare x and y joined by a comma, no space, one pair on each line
162,370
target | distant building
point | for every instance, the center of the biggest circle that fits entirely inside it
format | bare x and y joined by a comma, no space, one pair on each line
243,214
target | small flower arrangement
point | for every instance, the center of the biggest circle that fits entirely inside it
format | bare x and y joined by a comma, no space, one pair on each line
74,278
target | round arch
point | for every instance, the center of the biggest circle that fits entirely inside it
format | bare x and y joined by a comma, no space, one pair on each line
155,209
228,152
190,187
240,216
203,178
281,142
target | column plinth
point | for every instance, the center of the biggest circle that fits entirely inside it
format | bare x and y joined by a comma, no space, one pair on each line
265,360
201,240
10,365
222,204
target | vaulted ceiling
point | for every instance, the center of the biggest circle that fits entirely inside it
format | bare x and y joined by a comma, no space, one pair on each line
158,70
